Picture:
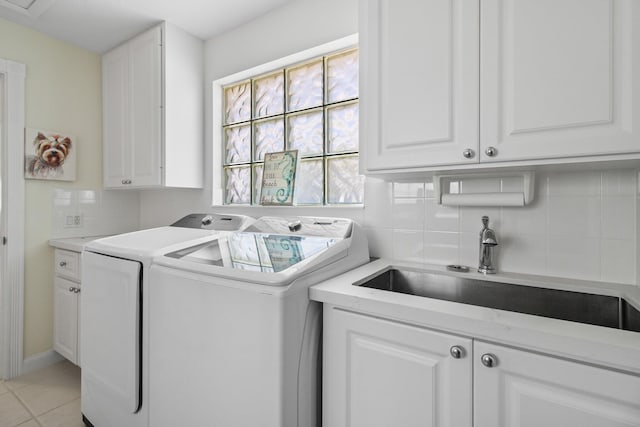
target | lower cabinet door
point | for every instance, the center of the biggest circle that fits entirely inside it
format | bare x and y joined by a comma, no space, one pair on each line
381,373
523,389
65,325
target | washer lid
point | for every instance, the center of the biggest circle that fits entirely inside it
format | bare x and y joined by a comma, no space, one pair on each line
267,253
303,225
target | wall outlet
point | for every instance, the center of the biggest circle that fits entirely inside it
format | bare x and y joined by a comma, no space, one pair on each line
73,221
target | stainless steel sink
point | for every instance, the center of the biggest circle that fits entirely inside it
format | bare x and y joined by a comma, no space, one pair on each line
601,310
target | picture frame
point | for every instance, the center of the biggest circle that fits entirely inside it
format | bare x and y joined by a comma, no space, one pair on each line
49,155
278,178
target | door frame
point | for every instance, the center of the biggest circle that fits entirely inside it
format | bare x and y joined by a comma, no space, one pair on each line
12,219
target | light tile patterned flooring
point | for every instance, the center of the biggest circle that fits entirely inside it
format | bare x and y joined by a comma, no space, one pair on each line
48,397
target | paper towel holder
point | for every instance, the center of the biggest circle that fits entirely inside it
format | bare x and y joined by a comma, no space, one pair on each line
444,197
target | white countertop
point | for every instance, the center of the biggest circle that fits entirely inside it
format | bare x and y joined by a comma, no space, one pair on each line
599,345
75,244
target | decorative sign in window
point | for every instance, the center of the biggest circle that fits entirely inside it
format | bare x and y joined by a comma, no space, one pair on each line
278,178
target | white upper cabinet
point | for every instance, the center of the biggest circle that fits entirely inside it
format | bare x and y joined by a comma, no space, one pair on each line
152,111
145,97
559,78
522,80
419,82
115,110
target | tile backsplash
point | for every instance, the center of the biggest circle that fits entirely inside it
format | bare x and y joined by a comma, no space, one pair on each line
79,212
581,225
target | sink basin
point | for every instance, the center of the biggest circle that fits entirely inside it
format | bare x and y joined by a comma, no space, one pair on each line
593,309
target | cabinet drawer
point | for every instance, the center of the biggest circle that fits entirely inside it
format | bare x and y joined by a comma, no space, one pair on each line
67,264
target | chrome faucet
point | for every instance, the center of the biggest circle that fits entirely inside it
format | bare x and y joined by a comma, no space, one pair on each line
487,242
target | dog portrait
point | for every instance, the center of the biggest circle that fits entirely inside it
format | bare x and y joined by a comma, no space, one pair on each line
49,155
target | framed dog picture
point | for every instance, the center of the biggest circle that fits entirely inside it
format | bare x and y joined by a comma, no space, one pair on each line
49,155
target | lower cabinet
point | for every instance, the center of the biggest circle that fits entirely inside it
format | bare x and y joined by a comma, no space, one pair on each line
66,302
380,372
524,389
65,326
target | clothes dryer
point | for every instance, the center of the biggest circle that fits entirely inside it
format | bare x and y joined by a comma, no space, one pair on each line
114,315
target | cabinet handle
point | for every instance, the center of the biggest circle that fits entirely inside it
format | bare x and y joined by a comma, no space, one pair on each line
63,263
72,289
491,151
76,291
126,181
457,352
489,360
468,153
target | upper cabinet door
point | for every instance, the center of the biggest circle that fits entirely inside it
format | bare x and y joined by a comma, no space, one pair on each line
419,82
115,116
145,72
557,78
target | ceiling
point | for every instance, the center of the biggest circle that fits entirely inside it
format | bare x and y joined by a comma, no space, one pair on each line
99,25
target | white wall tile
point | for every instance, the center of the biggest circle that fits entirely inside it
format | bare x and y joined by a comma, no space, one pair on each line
440,248
429,189
408,245
619,217
471,218
581,183
439,217
578,216
469,249
574,257
620,182
380,242
408,189
408,214
541,186
102,212
530,219
378,201
523,253
619,260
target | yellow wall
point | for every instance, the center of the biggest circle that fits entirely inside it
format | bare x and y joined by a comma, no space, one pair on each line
63,93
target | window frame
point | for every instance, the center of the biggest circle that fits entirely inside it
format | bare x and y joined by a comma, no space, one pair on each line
217,103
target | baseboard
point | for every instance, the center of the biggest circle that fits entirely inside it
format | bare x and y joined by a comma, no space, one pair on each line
40,360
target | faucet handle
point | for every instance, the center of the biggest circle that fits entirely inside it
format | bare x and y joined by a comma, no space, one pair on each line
490,240
487,235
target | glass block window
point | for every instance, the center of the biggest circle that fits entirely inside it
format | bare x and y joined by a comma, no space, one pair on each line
311,107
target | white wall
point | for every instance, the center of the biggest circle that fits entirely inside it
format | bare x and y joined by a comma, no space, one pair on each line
582,224
299,25
63,93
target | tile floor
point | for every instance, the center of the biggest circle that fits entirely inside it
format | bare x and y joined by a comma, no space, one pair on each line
49,397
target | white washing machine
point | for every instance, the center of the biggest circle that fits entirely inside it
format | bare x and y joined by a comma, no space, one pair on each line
234,338
114,315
